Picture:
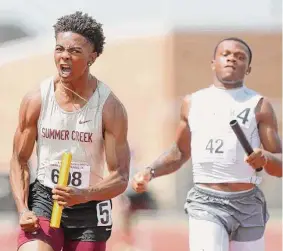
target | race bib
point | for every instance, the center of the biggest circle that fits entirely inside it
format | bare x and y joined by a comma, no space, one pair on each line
217,148
103,210
78,177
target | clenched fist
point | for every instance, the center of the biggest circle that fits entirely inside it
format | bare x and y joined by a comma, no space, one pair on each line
257,159
140,181
28,221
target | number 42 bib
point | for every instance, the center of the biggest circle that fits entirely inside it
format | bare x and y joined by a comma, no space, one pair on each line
79,175
220,147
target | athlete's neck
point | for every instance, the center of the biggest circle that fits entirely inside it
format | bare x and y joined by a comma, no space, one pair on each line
226,86
80,86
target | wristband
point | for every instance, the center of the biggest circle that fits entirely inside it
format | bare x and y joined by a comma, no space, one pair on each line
24,211
152,173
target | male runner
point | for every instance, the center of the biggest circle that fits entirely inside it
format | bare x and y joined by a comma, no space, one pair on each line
227,210
72,111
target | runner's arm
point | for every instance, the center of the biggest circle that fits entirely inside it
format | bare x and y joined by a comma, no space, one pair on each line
268,132
180,152
117,152
23,144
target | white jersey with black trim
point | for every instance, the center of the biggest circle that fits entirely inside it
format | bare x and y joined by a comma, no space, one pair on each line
217,156
79,132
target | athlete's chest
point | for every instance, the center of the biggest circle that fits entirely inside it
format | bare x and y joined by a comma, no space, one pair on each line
79,127
218,114
212,136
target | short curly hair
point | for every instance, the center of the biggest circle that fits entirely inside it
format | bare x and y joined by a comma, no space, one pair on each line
84,25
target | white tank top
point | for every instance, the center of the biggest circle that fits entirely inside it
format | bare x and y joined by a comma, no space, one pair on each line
217,156
78,132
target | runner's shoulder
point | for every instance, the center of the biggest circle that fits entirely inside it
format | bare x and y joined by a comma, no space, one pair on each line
31,105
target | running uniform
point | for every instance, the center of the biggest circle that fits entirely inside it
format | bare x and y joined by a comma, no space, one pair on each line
235,219
80,132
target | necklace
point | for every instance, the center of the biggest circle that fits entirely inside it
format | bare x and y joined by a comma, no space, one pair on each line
67,88
76,94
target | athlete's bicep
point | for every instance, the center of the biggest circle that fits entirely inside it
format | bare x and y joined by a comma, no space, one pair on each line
26,132
183,134
24,140
268,128
115,123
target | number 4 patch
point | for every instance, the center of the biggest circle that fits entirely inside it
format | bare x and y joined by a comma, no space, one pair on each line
244,116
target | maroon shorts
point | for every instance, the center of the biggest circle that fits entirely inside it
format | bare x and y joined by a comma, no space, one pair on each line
55,238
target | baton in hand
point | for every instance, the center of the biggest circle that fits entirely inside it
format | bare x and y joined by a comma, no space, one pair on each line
62,180
242,138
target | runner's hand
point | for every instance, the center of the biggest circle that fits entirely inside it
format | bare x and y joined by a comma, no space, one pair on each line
28,221
69,196
141,180
257,159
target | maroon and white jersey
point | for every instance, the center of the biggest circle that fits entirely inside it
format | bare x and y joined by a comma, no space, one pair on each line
79,132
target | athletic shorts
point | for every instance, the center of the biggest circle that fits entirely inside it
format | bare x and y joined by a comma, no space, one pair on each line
90,222
243,214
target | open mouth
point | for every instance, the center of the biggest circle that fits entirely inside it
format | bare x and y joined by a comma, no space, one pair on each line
65,70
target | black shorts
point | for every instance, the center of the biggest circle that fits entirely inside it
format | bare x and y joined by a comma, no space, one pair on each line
90,221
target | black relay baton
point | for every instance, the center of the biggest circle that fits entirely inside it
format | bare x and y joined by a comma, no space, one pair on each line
242,138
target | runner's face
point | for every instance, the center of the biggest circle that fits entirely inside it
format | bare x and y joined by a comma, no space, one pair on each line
231,62
72,55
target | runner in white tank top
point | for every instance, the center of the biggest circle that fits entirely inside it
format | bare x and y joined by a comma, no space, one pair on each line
226,208
79,132
71,112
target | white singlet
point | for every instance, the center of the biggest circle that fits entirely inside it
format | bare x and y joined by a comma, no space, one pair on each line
217,155
78,132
